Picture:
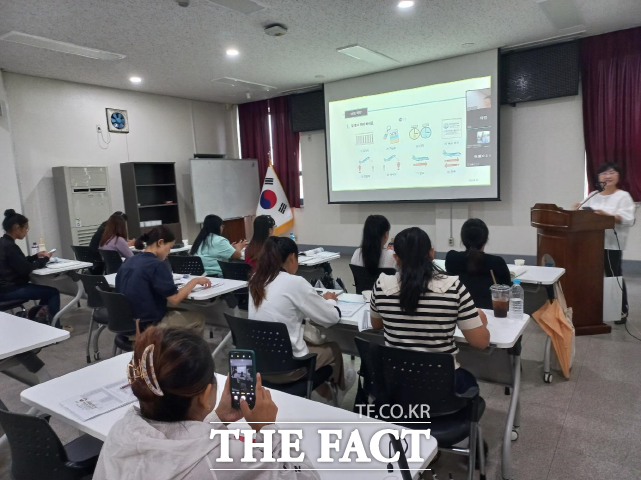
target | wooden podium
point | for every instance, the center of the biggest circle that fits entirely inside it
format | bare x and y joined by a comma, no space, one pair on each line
574,240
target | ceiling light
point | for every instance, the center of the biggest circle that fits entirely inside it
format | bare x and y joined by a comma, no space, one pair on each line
135,79
467,45
232,52
56,46
319,76
405,4
369,56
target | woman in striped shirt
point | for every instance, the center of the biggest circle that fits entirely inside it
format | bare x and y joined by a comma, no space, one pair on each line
419,308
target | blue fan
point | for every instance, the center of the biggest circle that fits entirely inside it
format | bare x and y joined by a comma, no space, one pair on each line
117,120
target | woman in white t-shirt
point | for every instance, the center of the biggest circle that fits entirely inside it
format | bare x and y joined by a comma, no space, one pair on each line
276,294
373,254
618,204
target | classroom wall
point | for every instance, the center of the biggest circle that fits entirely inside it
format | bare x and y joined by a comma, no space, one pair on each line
54,124
542,160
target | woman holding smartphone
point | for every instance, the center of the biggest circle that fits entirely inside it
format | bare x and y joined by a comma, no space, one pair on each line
171,373
616,203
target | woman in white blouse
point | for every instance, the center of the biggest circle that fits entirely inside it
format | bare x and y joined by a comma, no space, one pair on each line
618,204
278,295
373,254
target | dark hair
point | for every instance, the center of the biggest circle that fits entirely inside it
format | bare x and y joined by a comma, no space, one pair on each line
376,226
211,225
120,214
12,218
154,235
262,225
610,165
115,227
275,251
474,234
412,246
183,367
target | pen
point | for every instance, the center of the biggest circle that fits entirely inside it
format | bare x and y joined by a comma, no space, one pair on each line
125,386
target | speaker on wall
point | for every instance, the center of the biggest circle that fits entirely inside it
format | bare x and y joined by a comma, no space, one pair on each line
307,111
545,72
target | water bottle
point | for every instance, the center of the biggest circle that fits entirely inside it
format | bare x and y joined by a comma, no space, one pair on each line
516,299
292,237
34,248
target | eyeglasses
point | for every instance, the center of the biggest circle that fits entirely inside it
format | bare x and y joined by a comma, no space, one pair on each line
608,172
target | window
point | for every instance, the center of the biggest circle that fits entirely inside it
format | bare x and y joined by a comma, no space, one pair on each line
300,170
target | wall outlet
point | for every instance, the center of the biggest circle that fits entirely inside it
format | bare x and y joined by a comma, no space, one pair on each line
450,241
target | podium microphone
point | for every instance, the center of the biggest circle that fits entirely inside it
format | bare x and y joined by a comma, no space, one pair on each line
600,186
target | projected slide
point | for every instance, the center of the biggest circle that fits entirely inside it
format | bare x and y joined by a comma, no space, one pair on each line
426,137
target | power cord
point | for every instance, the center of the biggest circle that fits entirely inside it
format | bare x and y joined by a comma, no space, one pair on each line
616,235
390,467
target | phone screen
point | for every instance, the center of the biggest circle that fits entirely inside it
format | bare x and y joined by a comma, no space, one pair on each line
242,373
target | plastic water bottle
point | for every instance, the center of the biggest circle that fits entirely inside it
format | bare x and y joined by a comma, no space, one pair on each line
517,296
292,237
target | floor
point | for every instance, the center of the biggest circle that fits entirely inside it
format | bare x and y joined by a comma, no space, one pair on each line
584,428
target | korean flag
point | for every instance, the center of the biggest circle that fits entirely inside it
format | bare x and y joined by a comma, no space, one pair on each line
273,202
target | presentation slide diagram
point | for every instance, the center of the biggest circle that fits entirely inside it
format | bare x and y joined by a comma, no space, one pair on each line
435,136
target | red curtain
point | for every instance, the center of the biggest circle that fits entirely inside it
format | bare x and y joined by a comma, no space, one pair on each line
254,134
286,150
611,79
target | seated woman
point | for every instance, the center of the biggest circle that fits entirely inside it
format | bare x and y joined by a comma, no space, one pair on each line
115,237
474,266
148,284
211,246
278,295
15,267
172,375
263,229
419,309
372,253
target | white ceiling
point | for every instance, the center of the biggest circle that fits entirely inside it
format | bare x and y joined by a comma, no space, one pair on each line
178,51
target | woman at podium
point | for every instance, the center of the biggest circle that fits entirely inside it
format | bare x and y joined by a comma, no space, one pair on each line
617,203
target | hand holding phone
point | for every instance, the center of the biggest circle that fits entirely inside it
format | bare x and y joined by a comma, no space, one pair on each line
242,371
53,250
264,411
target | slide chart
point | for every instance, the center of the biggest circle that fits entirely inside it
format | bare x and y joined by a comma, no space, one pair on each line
435,136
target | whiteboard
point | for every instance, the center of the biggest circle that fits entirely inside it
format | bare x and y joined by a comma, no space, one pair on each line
225,187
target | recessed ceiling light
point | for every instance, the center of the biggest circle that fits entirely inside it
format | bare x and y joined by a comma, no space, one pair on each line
232,52
57,46
319,76
467,45
405,4
135,79
367,55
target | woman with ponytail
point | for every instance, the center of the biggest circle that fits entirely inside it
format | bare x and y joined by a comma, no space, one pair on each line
211,246
276,294
148,284
15,267
419,308
474,266
169,437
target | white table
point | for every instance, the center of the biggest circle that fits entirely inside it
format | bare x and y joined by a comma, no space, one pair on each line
46,397
499,364
52,273
184,248
318,259
19,337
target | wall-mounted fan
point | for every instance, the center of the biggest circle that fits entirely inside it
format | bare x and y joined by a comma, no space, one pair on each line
117,120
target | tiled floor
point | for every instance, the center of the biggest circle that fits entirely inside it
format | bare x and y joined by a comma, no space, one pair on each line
585,428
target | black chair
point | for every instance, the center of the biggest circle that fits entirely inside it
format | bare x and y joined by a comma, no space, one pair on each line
86,254
272,346
186,265
238,271
99,313
112,259
363,280
407,378
37,452
121,320
11,305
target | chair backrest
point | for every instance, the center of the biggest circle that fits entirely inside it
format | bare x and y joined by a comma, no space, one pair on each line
90,282
363,280
121,318
36,450
186,265
235,270
113,260
269,341
407,378
86,254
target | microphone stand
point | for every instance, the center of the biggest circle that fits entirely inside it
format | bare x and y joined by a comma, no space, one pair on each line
599,188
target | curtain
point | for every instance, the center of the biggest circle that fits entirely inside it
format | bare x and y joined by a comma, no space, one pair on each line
286,149
611,79
254,134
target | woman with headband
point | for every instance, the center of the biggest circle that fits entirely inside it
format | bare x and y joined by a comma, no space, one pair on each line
168,437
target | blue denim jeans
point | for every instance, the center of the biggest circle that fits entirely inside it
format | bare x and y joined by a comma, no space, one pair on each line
46,295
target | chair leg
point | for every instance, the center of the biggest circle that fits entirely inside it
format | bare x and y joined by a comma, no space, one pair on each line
472,447
96,337
89,338
481,453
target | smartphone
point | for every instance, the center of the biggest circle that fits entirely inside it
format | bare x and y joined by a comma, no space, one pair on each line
53,250
242,374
